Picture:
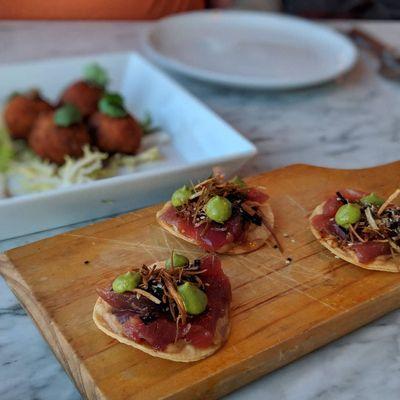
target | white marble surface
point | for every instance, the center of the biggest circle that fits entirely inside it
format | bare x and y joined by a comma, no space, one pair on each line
354,122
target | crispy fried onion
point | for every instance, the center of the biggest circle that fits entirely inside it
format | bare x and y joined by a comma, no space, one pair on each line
142,292
370,219
271,231
159,285
388,201
394,246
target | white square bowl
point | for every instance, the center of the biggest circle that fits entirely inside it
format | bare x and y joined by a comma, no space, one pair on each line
199,141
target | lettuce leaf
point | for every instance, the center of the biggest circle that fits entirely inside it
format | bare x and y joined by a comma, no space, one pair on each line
6,150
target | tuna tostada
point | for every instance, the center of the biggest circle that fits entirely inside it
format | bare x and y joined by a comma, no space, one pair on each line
361,228
219,216
177,310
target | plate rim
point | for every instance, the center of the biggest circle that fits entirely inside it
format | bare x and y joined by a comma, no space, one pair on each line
174,65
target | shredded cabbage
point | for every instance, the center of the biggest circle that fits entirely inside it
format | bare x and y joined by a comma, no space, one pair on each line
28,173
23,172
83,169
130,162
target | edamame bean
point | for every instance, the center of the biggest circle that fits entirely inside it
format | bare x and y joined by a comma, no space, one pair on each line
181,196
126,282
178,260
372,199
348,214
238,181
218,209
194,299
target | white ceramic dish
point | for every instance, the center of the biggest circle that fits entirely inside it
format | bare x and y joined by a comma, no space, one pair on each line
250,49
199,141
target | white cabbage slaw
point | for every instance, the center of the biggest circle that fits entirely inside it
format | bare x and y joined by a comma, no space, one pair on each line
23,172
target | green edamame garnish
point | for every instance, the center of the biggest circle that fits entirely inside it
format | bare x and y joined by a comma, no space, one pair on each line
96,75
126,282
347,215
372,199
67,115
194,299
13,94
178,260
218,209
181,196
238,181
112,104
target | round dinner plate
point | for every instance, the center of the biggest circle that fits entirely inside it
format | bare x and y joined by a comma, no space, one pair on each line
250,49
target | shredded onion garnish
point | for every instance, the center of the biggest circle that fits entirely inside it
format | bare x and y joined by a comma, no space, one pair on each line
354,232
271,231
370,219
142,292
394,246
388,201
159,285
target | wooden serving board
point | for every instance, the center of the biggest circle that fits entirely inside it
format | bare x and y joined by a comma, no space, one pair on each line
280,311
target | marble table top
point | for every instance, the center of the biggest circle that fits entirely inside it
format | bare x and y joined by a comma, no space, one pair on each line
351,123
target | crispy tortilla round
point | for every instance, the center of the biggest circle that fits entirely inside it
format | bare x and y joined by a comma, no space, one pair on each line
256,236
181,351
381,263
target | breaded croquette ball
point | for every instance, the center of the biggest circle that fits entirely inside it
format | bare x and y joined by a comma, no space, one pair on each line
85,94
58,134
116,135
114,130
21,112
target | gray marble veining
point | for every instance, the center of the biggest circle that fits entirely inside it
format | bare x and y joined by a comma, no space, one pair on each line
351,123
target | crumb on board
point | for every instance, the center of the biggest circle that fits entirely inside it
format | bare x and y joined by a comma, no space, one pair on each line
107,201
86,262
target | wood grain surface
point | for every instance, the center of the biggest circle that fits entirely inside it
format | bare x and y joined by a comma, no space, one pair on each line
280,310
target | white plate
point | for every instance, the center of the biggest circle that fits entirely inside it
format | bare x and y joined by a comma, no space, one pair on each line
249,49
199,141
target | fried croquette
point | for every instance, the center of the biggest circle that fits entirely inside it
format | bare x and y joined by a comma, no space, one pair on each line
21,112
116,135
85,96
53,142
